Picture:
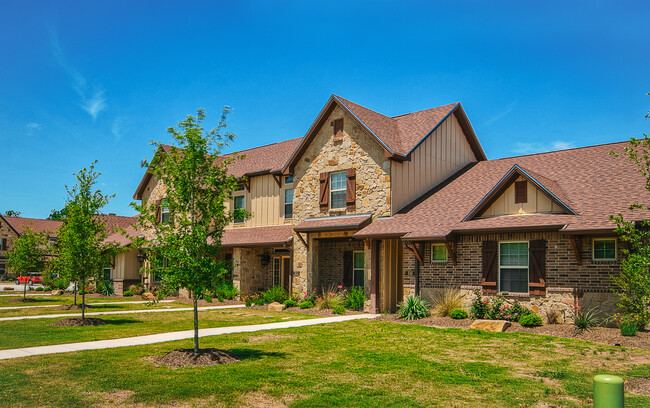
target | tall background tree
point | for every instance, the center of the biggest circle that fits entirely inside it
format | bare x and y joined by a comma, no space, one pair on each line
184,249
632,285
82,252
28,255
12,213
58,215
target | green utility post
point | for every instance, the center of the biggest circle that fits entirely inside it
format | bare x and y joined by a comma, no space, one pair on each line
608,391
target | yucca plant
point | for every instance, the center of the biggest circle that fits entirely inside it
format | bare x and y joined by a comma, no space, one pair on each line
414,307
586,319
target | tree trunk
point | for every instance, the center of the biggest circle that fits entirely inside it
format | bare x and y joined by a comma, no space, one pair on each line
75,293
196,322
25,290
83,300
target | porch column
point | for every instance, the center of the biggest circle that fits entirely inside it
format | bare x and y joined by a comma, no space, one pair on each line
374,276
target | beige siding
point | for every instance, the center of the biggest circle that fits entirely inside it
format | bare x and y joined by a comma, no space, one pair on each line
265,202
126,266
441,155
538,202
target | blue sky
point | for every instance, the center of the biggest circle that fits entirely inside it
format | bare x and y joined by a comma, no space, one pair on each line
99,79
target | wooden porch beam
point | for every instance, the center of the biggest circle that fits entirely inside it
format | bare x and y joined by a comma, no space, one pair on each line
278,179
247,185
451,250
411,247
576,243
303,240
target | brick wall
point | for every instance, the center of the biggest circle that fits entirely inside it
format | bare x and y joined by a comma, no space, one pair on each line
562,270
330,261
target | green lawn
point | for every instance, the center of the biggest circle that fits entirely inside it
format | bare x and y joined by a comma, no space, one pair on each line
113,307
351,364
38,332
59,300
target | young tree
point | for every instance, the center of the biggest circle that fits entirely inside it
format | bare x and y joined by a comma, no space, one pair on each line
185,247
12,213
633,283
57,215
82,252
28,255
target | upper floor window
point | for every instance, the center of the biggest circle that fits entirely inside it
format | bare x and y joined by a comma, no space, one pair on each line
51,241
604,249
513,267
288,180
238,204
438,253
288,203
164,212
338,183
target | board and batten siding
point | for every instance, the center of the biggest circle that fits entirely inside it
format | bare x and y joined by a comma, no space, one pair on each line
537,202
264,201
442,154
127,266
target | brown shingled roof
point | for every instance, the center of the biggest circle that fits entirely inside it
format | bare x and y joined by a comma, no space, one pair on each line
338,223
596,184
37,225
278,235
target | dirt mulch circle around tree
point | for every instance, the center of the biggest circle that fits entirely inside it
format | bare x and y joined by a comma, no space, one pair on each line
76,322
639,386
605,335
71,307
311,311
188,358
26,300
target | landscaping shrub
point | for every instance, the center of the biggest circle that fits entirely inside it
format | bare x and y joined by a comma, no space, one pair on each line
445,300
339,310
458,314
207,298
259,302
497,309
127,293
39,289
275,294
220,298
330,298
60,283
414,307
47,288
584,319
628,329
249,303
306,304
225,290
105,288
290,303
356,298
530,320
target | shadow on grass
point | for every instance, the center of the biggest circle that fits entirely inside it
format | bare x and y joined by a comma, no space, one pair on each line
118,322
253,354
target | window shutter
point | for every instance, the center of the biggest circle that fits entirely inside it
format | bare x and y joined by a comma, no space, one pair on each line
158,211
4,244
537,267
324,191
521,192
347,268
351,193
489,280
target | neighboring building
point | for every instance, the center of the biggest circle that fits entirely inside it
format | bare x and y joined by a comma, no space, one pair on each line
410,203
122,271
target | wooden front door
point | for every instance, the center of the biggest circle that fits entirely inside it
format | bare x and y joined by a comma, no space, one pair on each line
286,273
391,275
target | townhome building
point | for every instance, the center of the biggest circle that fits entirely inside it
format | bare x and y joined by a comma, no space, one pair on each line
410,204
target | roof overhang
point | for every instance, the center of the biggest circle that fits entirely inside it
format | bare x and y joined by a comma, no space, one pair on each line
338,223
271,236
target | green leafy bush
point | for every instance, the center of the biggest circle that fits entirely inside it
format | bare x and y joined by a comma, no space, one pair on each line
105,288
290,303
225,290
306,304
330,298
249,303
127,293
339,310
414,307
275,294
497,309
584,319
60,283
356,298
207,298
445,300
220,298
458,314
628,329
259,302
39,289
530,320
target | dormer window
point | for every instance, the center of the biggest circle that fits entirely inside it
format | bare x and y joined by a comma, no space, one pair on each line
338,190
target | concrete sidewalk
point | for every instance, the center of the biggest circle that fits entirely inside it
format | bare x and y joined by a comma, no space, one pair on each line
178,309
164,337
28,294
88,303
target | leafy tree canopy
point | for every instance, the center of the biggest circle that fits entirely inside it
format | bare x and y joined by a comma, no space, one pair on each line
12,213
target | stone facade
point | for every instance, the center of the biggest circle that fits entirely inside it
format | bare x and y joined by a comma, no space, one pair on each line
252,273
590,281
10,235
355,149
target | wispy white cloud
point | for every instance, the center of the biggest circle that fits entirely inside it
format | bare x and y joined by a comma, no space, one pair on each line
502,114
34,126
527,148
116,129
93,100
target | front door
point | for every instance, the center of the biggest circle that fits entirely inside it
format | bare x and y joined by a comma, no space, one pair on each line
286,273
391,279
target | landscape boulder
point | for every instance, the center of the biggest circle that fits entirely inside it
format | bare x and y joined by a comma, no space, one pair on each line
57,292
490,325
149,296
276,307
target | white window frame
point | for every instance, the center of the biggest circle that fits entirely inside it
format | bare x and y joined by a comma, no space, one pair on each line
164,211
332,191
439,260
234,200
291,203
593,249
356,270
514,267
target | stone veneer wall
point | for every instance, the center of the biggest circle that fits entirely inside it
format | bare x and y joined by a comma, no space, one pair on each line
249,275
330,261
356,149
6,232
563,274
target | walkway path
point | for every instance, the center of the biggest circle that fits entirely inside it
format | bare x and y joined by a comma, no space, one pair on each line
164,337
28,294
89,303
178,309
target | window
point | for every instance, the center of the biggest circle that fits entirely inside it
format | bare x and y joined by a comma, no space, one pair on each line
238,204
51,241
338,183
276,271
521,192
338,128
513,267
438,253
164,212
240,187
3,269
288,180
604,249
288,203
357,269
107,273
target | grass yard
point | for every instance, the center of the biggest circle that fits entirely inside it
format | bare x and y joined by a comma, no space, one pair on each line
113,307
59,300
351,364
37,332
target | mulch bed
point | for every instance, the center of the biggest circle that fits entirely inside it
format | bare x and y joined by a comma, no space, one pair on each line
604,335
188,358
76,322
201,302
26,300
311,311
71,307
